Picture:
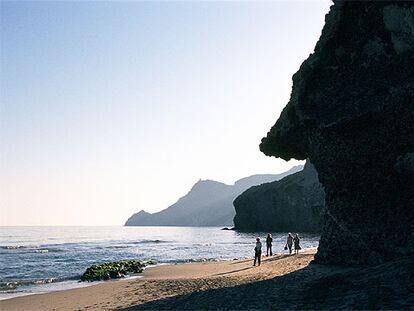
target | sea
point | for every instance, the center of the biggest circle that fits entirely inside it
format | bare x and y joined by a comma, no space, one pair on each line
43,259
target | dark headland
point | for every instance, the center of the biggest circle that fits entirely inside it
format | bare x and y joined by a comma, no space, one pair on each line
295,203
351,113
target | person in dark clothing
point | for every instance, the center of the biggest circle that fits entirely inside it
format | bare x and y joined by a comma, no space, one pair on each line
296,241
257,252
289,243
269,241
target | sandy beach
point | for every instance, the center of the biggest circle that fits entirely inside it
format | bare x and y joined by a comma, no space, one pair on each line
161,282
281,282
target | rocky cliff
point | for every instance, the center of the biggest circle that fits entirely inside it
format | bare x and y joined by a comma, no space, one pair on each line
208,203
294,203
351,112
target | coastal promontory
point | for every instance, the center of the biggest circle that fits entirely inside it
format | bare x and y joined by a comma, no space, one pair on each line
351,112
294,203
208,203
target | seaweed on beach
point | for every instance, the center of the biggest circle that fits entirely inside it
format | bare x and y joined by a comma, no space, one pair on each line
114,270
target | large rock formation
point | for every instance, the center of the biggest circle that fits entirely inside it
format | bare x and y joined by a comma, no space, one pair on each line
209,203
351,112
294,203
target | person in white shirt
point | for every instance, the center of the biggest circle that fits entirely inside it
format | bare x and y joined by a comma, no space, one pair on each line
257,252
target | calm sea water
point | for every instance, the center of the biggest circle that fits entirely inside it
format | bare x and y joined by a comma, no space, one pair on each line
41,259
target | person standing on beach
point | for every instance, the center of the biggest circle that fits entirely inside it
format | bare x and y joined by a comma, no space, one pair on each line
289,242
269,241
296,241
257,252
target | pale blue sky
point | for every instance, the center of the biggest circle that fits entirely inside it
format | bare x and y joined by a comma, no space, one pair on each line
108,108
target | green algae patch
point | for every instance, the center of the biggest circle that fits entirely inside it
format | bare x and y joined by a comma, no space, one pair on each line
114,270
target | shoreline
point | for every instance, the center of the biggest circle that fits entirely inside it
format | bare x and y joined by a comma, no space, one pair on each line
76,283
159,282
62,285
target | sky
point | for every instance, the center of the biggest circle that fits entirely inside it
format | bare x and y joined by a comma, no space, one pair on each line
108,108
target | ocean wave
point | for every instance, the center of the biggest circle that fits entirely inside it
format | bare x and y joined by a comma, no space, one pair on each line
41,251
9,249
12,285
12,247
4,249
112,247
149,241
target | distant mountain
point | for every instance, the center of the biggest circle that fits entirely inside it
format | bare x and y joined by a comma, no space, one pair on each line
294,203
209,203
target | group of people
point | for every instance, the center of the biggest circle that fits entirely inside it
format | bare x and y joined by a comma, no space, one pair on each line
291,241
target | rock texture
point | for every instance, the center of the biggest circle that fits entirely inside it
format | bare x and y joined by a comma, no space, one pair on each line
294,203
351,112
209,203
114,270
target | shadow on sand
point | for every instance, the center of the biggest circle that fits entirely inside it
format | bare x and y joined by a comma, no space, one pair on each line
387,286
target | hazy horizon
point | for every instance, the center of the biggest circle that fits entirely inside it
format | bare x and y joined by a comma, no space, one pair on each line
108,108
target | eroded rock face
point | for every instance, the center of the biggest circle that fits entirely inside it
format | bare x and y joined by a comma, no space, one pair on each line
292,204
351,112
